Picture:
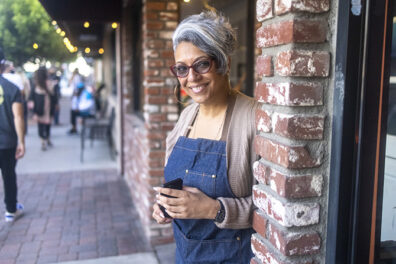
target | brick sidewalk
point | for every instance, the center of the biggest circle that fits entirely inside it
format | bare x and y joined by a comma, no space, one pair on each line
71,216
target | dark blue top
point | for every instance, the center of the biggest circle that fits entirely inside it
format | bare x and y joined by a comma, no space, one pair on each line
9,94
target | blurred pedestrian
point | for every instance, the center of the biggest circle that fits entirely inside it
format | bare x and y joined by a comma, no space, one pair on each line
83,105
12,142
44,103
57,93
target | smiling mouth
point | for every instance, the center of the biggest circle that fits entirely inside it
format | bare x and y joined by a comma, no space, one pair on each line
198,89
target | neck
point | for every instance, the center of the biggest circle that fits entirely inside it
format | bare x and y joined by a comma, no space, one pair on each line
218,106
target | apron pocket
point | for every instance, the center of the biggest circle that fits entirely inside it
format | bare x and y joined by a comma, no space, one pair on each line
204,181
208,251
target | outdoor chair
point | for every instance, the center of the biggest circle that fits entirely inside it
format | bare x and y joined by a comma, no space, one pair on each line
98,129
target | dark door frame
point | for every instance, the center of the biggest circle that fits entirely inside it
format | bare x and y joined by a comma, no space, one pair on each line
359,132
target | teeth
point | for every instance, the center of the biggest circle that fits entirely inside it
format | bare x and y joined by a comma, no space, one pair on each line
197,89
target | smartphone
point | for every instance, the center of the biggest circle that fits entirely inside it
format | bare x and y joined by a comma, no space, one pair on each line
174,184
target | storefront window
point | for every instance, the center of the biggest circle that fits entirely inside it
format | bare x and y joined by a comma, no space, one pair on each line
388,221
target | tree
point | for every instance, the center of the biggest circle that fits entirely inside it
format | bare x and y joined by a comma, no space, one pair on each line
25,22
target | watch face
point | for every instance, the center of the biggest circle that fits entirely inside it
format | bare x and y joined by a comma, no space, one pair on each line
220,215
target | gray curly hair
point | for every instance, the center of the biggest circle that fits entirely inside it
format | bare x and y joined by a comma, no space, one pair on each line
210,32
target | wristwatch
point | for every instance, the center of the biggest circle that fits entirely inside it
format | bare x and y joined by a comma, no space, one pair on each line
220,214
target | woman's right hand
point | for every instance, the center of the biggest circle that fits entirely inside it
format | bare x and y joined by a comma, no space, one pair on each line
159,216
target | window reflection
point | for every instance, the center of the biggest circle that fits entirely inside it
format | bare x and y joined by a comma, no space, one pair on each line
388,224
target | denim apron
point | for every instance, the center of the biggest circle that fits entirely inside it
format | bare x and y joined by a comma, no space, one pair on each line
201,163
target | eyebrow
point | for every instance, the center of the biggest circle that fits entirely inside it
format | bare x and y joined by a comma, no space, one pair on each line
197,59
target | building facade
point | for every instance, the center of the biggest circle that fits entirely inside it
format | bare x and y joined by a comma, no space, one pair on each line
320,69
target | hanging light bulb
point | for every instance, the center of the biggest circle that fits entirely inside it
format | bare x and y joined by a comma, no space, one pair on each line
87,50
114,25
86,24
101,51
35,46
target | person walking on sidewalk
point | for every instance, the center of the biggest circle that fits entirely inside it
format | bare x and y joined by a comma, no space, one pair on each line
210,149
12,142
44,103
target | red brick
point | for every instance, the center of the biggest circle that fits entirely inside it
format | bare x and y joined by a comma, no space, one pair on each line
286,214
155,25
295,186
264,66
312,6
157,117
151,15
155,44
260,223
166,73
156,5
261,172
262,251
166,54
290,94
291,31
263,121
156,173
157,100
303,63
156,135
264,9
298,126
294,243
292,157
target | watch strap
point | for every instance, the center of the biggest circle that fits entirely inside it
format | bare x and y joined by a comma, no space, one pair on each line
220,213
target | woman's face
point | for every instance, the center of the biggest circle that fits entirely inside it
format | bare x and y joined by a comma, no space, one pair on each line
205,88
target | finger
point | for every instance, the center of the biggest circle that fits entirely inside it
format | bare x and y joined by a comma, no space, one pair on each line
169,201
191,189
172,192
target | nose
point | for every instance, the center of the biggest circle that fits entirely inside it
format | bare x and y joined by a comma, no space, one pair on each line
192,75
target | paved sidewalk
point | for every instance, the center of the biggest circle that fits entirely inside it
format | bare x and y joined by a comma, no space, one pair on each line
72,216
74,212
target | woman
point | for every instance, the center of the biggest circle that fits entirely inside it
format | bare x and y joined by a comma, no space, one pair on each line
210,148
44,106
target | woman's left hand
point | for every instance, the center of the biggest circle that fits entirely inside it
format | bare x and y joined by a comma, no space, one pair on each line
190,203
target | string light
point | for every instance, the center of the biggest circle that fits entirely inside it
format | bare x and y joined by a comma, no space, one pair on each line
186,1
86,24
63,33
58,30
114,25
101,51
35,46
87,50
53,22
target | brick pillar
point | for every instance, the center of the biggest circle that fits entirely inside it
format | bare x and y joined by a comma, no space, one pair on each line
145,139
293,71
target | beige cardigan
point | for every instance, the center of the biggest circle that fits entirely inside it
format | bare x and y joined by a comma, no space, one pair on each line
240,157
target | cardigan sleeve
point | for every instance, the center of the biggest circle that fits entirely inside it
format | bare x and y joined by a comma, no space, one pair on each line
239,210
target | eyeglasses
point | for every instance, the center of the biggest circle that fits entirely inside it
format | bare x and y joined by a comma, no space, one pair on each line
181,70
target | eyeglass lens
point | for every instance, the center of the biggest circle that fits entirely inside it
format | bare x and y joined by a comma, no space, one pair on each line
201,67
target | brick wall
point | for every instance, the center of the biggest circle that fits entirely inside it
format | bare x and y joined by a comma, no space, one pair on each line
144,146
293,70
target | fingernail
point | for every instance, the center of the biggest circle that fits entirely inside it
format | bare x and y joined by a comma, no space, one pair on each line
162,215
